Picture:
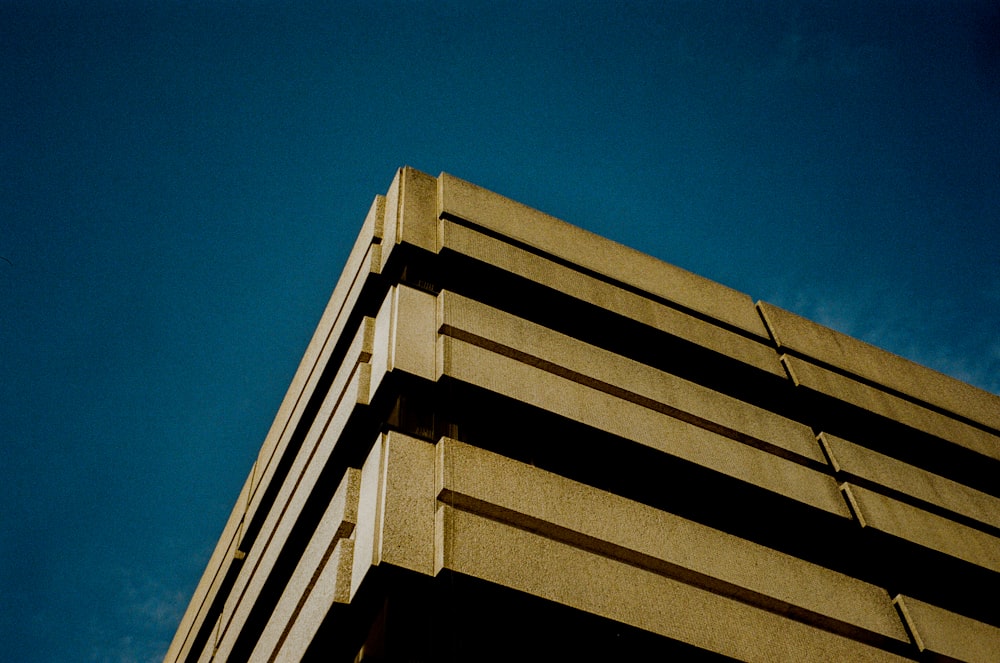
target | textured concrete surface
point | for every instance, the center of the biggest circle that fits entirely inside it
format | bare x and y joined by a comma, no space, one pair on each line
309,374
859,464
411,212
595,520
503,333
408,504
515,558
294,492
412,512
924,528
818,379
363,261
802,336
564,397
752,351
543,232
949,635
332,587
324,568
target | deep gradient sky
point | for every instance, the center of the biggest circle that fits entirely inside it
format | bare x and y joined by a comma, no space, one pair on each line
180,183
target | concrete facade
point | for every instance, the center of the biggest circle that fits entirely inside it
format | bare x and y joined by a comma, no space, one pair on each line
511,438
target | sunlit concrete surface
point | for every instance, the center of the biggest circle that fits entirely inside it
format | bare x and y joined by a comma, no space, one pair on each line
510,438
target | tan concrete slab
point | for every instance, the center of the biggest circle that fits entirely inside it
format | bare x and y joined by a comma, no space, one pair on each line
947,634
415,332
553,570
311,573
802,336
601,369
405,334
296,399
527,497
602,411
857,463
368,530
411,211
359,352
756,353
923,527
332,587
810,376
396,507
296,489
381,360
408,504
548,234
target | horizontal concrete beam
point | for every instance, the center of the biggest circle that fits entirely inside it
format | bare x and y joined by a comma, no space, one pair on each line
503,333
291,499
411,212
321,578
923,528
332,588
358,353
947,634
317,358
524,496
824,345
855,463
548,391
405,334
824,381
527,562
462,200
755,351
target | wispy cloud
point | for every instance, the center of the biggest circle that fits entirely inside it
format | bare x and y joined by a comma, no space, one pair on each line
148,612
887,320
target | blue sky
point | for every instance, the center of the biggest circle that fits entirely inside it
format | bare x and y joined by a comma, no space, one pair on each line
181,183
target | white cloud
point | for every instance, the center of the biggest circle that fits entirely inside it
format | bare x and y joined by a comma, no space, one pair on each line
149,611
889,321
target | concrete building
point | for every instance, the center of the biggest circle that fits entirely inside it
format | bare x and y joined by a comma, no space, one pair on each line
512,439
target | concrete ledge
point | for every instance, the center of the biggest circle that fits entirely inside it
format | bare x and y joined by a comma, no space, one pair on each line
498,553
948,635
298,486
856,463
503,333
323,569
523,496
804,337
358,353
754,352
923,528
368,530
408,504
332,589
410,212
462,200
821,380
333,323
532,385
405,334
396,508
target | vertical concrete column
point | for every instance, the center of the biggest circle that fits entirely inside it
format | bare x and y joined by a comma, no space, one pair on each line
396,507
405,335
411,210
